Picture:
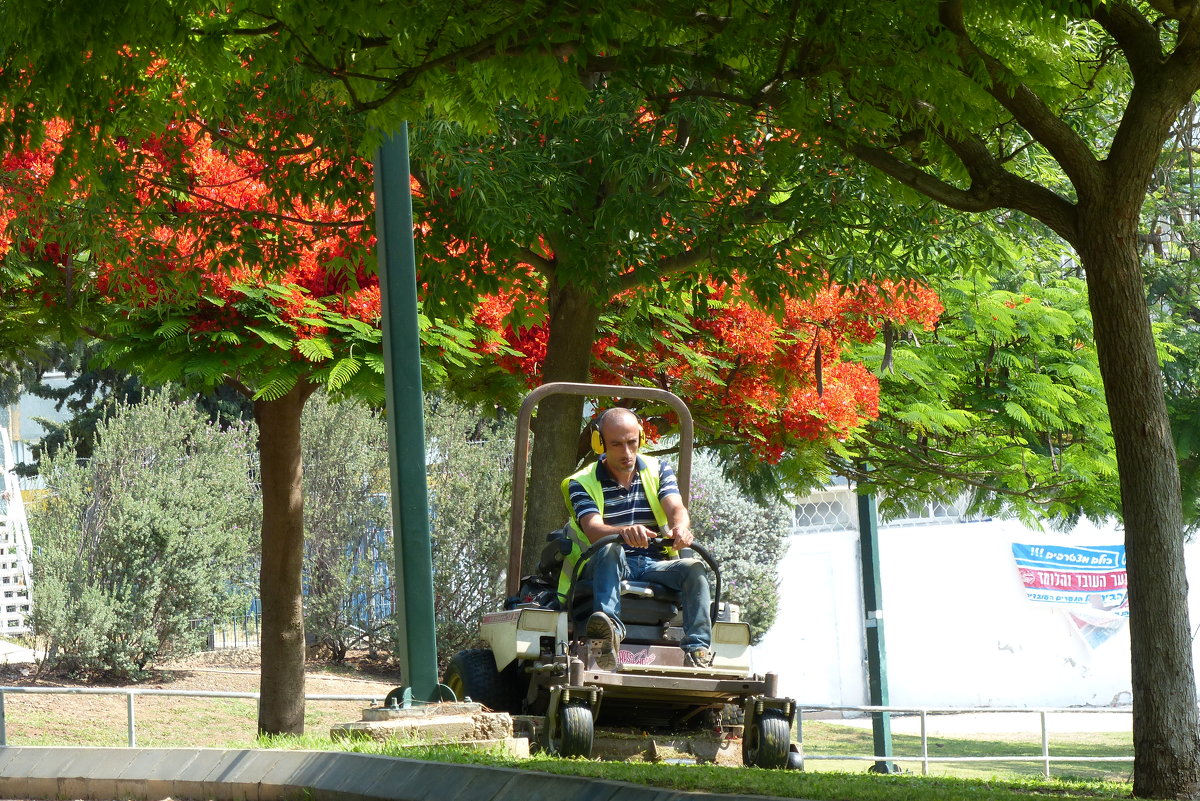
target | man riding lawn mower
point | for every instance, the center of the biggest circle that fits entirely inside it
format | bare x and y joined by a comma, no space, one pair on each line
619,626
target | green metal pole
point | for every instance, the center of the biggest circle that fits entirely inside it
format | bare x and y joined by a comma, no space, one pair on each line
416,642
868,543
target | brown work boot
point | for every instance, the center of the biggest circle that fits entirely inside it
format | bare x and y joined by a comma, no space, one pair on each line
698,657
602,631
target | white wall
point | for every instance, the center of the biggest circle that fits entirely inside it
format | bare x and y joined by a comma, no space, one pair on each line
817,643
958,629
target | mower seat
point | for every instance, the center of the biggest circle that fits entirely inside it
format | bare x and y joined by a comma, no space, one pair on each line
649,611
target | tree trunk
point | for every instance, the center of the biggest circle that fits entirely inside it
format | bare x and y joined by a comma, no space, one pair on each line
281,685
1165,724
573,322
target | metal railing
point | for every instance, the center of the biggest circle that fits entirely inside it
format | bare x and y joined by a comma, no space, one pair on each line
1046,758
131,694
239,631
925,758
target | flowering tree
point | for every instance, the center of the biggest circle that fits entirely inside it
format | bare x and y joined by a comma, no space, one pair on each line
663,242
773,383
639,220
982,107
207,274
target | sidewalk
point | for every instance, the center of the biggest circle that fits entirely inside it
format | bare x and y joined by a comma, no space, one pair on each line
11,654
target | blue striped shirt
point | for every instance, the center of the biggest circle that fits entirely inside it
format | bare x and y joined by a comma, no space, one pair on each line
625,507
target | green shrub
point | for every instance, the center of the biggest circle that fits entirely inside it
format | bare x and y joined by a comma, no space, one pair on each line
347,525
134,544
347,516
469,464
747,539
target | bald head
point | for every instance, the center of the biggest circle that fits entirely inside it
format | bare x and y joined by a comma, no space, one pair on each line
618,417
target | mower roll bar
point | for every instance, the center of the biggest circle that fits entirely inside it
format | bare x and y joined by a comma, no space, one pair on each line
521,451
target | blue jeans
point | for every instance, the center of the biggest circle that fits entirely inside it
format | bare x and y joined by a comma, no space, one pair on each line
689,577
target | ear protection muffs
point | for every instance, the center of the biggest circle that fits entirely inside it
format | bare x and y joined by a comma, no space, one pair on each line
598,441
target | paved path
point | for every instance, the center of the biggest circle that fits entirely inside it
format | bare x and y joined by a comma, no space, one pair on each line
264,775
11,653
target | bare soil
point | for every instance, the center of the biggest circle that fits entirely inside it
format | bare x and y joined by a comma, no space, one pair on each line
102,720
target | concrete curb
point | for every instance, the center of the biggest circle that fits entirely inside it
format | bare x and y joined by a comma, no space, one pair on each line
264,775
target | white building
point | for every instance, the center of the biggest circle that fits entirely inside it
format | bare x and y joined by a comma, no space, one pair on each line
958,628
20,429
15,572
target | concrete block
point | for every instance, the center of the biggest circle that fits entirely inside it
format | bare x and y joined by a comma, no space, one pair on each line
226,781
377,713
476,784
14,787
299,769
243,765
111,761
422,725
249,774
353,778
51,763
516,747
546,787
14,761
158,788
150,762
76,787
409,779
41,787
261,775
126,788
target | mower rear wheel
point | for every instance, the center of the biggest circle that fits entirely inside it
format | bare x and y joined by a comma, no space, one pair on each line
573,734
472,674
766,741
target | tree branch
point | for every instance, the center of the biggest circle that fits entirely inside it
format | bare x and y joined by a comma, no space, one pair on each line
1038,493
539,262
1162,86
216,133
992,186
667,265
231,209
1068,148
1135,36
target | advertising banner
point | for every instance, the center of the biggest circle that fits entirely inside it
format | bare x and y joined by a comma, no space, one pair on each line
1087,582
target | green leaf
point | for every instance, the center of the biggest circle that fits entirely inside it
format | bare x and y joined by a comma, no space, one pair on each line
342,372
315,349
272,337
374,361
1019,414
280,384
171,328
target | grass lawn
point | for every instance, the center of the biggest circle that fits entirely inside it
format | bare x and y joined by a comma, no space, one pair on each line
230,723
829,739
824,785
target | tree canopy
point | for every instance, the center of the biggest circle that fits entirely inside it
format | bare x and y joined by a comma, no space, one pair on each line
1060,117
665,242
1055,109
205,276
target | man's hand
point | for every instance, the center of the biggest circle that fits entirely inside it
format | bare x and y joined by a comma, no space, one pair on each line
636,536
681,537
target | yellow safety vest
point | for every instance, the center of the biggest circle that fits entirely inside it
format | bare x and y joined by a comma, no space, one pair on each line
591,484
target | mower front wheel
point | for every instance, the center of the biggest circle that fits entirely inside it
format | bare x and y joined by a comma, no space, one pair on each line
766,741
572,732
